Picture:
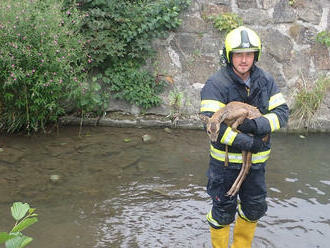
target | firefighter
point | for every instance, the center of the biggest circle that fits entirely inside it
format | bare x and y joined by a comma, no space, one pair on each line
240,80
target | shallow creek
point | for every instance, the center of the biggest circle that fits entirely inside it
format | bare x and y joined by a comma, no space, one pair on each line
109,188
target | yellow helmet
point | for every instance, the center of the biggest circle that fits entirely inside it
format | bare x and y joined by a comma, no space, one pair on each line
241,39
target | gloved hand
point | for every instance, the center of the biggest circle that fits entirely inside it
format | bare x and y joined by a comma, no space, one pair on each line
248,126
257,145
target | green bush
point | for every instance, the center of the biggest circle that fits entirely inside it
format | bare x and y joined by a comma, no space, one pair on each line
42,63
136,86
119,34
227,22
48,49
122,29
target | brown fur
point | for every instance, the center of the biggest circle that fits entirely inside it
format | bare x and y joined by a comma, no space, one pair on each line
233,114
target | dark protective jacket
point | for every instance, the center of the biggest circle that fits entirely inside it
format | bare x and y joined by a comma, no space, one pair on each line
224,87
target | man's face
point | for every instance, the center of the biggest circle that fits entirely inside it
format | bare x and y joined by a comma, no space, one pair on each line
242,62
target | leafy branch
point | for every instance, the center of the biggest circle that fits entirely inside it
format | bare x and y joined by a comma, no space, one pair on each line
24,216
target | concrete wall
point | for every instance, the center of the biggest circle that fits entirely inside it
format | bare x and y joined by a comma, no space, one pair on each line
191,54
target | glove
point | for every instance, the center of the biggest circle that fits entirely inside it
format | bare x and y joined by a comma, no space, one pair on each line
257,145
248,126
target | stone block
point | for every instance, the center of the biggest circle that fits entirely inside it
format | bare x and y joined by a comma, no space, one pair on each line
277,44
193,24
215,2
299,65
303,35
168,61
325,3
201,67
328,18
309,11
247,4
268,4
269,64
283,12
320,55
208,10
255,17
211,45
186,43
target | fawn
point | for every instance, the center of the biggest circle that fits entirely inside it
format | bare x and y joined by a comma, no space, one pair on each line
233,114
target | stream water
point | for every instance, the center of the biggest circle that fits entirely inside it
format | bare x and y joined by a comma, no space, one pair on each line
109,188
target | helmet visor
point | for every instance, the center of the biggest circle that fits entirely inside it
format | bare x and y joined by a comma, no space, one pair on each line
245,50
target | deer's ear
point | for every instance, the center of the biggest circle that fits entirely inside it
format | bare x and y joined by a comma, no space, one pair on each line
204,118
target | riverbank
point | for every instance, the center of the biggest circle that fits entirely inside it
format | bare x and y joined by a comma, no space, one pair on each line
120,119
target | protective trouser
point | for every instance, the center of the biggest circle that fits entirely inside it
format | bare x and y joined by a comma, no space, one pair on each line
243,233
251,208
252,196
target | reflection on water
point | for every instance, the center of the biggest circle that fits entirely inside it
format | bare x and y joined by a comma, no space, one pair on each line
110,189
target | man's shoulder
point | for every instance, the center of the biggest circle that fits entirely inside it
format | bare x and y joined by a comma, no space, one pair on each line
221,77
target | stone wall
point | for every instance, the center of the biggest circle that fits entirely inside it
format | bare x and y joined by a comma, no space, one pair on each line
191,54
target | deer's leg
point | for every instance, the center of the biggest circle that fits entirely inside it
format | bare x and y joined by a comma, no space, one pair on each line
226,156
248,162
234,188
266,138
246,156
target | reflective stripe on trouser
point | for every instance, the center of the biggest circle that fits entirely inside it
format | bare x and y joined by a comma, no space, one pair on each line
242,215
219,233
212,221
220,155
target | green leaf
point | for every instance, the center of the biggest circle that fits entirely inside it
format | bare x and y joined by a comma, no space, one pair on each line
97,86
19,210
31,210
26,240
14,242
24,224
19,241
5,236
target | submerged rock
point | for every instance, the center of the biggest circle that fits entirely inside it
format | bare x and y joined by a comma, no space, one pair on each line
55,178
147,138
167,130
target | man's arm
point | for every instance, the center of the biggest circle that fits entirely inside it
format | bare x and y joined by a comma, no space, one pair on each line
276,118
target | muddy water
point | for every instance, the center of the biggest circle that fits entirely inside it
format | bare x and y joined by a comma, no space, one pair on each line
108,188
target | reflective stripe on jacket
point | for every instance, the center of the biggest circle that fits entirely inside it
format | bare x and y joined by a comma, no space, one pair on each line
224,87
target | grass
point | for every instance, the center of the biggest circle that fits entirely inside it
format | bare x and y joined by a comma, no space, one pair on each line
308,100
